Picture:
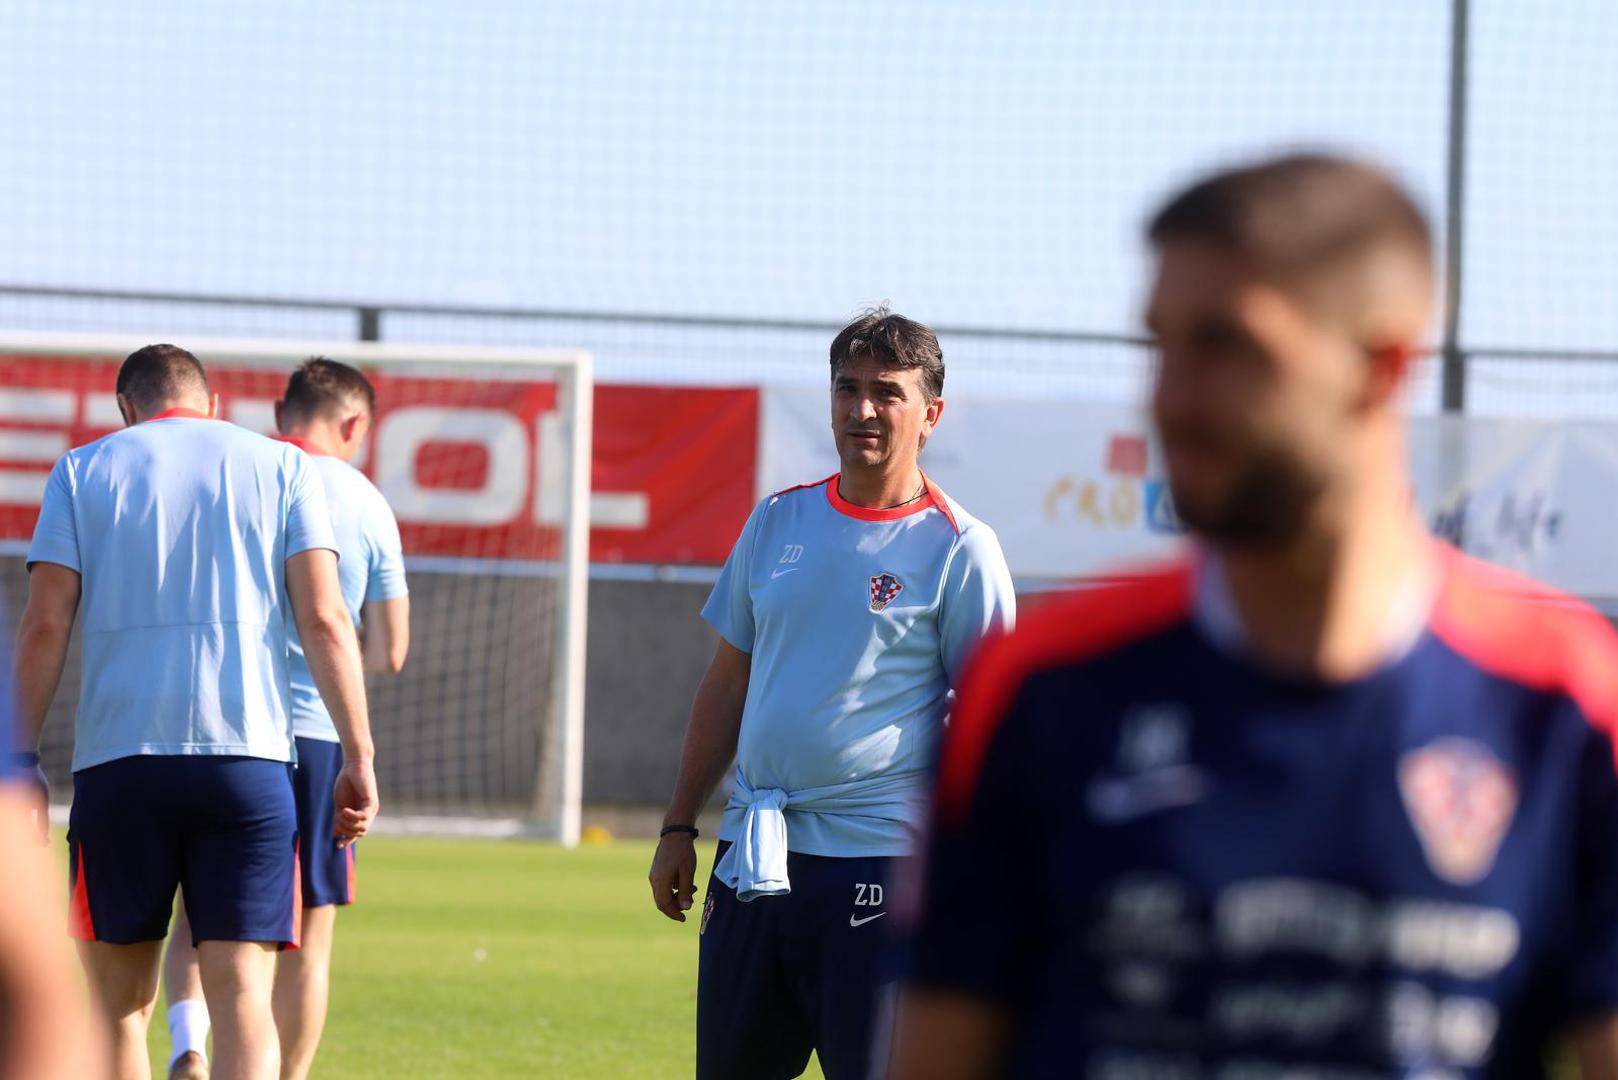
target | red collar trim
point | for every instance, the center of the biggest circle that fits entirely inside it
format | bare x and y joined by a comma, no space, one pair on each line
301,444
866,513
171,414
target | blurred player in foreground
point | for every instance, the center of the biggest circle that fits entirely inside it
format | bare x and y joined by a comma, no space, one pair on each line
845,612
45,1028
192,543
1325,800
327,412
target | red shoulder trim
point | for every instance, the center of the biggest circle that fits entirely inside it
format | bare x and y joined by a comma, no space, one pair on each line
1521,630
802,487
937,495
1063,630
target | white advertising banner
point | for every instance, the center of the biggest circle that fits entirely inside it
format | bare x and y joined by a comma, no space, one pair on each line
1072,489
1077,489
1537,496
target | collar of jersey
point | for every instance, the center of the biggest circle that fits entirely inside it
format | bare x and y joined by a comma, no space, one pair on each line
301,444
866,513
179,414
1214,608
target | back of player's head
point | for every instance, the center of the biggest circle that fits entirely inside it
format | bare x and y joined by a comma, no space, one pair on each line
893,341
322,387
1314,225
156,374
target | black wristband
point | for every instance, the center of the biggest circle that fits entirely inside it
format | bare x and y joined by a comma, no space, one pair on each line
25,759
691,829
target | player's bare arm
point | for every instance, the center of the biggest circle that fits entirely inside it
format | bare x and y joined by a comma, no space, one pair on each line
710,744
945,1036
386,636
45,1020
332,647
42,641
1595,1048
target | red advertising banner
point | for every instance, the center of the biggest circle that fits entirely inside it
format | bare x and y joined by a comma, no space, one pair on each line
472,466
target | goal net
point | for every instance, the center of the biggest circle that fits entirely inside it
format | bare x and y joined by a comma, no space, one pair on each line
483,454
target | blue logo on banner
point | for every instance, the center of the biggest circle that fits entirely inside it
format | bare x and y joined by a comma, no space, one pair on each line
1160,515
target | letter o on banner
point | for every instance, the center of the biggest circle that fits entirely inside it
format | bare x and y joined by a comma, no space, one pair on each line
503,494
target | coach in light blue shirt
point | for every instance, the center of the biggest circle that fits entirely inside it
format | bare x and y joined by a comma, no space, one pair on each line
845,611
188,543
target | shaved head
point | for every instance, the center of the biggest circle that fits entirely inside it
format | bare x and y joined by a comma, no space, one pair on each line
156,374
1289,301
1338,235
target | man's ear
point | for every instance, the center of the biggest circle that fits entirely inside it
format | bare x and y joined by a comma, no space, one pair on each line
126,411
930,418
350,427
280,427
1389,365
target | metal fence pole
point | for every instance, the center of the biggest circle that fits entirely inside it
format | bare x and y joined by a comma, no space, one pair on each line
1453,357
370,324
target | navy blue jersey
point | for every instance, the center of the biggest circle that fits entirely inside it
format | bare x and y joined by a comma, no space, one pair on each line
1163,861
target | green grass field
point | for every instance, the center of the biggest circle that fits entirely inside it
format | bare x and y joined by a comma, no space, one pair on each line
477,958
480,958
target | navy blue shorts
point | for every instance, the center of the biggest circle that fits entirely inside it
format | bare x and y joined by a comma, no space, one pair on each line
781,976
222,828
328,870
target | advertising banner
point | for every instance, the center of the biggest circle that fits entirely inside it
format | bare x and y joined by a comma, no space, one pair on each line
1077,490
472,467
1071,489
1537,496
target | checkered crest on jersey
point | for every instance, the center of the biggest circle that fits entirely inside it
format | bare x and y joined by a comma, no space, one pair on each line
1461,799
885,588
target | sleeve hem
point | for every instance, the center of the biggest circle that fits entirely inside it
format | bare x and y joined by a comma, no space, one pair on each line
729,638
386,594
315,545
1594,1007
33,559
977,989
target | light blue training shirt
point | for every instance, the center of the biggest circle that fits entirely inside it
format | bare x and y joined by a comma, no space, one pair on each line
858,622
180,528
371,568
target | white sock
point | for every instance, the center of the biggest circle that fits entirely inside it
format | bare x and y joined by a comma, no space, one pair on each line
188,1027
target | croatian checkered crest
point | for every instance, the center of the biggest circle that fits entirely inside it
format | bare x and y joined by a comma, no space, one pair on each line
885,588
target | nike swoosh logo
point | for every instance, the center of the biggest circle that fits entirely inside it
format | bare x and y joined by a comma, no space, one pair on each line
783,573
854,920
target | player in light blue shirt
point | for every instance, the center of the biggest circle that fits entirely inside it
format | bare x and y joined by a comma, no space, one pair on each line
845,611
190,545
327,413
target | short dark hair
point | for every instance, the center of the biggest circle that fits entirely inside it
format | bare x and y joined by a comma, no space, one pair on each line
158,373
1292,217
894,342
322,386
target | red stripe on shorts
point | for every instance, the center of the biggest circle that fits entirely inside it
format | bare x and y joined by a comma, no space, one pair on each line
79,923
297,895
